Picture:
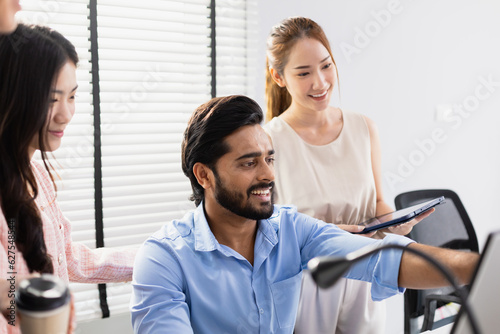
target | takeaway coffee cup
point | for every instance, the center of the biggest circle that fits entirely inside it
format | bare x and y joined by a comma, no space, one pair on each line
43,305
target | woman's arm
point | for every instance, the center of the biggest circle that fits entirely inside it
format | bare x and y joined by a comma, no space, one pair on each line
101,265
376,158
381,206
84,265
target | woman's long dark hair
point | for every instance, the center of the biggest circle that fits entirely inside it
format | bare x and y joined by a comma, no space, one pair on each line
30,61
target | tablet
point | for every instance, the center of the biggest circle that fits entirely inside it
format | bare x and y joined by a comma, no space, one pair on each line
399,216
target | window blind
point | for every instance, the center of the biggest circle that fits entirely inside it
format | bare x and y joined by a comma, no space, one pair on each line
236,40
154,70
146,99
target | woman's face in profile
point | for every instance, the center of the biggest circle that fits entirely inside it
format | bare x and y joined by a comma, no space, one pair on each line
62,109
8,8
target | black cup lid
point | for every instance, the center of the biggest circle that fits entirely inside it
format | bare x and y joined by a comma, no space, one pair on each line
43,293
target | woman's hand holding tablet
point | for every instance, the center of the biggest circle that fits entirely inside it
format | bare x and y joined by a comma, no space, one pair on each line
419,212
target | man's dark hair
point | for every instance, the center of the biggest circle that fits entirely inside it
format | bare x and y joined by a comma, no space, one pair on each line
209,125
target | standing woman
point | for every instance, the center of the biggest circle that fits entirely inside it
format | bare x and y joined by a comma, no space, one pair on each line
327,164
37,101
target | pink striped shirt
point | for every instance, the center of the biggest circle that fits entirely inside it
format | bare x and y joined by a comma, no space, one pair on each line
72,261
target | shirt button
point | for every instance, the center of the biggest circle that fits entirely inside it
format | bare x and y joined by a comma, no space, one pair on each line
60,259
261,311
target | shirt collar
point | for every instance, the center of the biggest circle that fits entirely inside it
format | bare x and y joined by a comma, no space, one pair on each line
205,241
270,227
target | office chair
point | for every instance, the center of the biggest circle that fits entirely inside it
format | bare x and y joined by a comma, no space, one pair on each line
449,227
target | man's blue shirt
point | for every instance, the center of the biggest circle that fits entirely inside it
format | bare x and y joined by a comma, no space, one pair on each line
186,282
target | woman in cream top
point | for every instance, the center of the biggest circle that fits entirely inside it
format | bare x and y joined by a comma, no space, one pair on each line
334,183
327,163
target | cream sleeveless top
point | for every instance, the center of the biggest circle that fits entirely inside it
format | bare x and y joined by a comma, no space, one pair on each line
332,182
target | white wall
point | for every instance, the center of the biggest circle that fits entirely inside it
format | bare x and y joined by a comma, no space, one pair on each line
398,61
423,54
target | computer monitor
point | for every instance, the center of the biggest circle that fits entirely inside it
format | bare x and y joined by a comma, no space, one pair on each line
484,292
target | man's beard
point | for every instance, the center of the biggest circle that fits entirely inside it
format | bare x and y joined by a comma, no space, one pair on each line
234,201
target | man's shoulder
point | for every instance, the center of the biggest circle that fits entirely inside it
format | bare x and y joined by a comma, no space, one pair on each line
280,210
284,214
288,215
175,229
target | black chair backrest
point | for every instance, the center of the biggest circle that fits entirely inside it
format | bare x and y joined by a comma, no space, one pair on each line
449,226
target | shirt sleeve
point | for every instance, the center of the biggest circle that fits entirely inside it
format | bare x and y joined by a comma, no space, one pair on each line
101,265
158,301
381,269
84,265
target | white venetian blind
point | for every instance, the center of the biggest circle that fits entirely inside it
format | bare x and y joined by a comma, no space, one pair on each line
236,40
154,66
154,70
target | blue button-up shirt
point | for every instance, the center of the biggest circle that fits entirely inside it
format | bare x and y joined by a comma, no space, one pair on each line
186,282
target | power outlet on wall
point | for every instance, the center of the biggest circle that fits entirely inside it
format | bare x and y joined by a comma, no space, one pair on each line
443,112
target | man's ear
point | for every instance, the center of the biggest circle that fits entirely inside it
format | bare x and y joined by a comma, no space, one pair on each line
277,77
203,174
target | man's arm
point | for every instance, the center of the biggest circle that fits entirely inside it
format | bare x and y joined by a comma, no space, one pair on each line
158,303
417,273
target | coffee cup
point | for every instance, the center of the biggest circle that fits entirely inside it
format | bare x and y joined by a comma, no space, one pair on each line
43,305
